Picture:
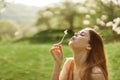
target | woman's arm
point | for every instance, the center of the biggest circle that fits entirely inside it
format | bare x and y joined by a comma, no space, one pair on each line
57,54
56,71
64,72
65,69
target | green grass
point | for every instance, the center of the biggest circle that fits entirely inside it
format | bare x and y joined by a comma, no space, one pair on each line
113,54
34,62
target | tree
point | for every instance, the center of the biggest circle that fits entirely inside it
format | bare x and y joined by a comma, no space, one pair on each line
111,8
110,17
45,16
62,14
8,29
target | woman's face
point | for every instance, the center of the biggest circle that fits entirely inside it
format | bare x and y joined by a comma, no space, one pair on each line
80,40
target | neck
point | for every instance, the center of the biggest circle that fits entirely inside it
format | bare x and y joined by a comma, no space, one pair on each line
80,58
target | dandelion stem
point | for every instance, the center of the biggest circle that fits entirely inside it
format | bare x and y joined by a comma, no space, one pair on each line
65,33
62,38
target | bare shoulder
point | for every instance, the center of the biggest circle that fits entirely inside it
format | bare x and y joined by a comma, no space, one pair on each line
67,63
68,60
97,74
65,69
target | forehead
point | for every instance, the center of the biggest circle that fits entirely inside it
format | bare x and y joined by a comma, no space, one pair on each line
86,31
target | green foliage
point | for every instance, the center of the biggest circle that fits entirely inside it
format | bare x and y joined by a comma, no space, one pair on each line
60,15
54,36
68,14
11,31
63,15
34,62
48,36
111,9
8,29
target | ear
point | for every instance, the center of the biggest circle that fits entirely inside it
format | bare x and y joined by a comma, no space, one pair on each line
88,47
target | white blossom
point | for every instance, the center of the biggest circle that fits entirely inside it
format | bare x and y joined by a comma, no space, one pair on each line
17,33
87,16
79,1
48,14
117,21
92,12
96,27
109,24
104,1
103,17
117,30
86,22
82,9
115,25
100,22
115,2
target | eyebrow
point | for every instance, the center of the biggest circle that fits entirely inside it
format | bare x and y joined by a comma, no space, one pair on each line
82,32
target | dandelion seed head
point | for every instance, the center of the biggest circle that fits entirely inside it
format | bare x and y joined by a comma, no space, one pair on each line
66,32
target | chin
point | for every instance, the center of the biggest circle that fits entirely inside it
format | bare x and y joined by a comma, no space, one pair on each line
70,43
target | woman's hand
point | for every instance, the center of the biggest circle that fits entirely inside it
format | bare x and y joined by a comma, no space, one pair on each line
57,53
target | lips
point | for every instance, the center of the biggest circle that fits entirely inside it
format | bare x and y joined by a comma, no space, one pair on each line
73,38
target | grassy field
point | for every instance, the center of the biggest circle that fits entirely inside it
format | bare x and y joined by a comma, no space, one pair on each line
34,62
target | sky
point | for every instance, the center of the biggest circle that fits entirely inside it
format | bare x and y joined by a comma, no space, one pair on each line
38,3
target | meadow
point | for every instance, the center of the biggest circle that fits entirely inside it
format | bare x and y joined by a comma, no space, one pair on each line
34,61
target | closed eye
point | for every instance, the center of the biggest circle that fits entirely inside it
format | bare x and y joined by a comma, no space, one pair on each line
82,34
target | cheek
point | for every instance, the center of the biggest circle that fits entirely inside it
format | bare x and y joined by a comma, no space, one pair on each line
82,43
79,43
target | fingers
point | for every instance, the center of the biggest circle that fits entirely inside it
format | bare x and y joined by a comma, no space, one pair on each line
58,44
57,53
56,48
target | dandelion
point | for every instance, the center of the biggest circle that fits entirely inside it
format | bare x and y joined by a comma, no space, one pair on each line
65,33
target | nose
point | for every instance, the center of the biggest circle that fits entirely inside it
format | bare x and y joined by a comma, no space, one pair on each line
76,34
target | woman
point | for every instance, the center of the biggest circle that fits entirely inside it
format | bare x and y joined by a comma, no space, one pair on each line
88,62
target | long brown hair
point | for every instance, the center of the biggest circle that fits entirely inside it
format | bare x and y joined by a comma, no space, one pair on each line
96,56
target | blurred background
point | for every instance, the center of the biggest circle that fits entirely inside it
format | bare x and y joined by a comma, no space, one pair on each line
28,28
